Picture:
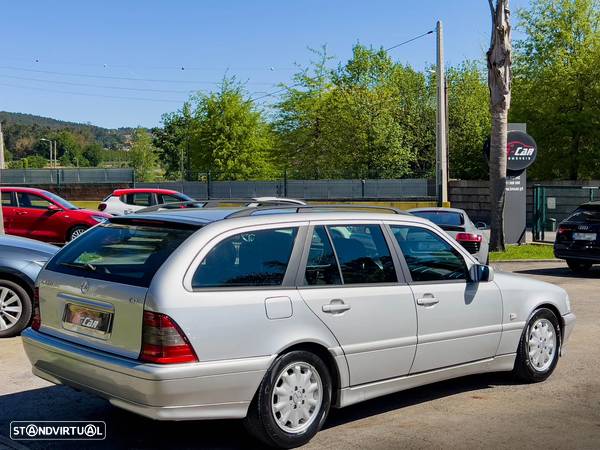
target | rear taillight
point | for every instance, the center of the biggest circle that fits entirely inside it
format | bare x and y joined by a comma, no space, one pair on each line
101,206
163,342
562,230
36,321
468,237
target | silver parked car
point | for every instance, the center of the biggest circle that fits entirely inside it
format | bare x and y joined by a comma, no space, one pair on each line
456,222
277,317
21,260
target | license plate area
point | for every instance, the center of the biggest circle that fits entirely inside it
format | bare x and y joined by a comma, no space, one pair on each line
88,321
584,236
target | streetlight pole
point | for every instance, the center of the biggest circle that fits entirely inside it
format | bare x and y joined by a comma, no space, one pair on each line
51,146
441,135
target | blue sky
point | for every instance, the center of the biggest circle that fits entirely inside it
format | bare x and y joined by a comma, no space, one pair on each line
119,63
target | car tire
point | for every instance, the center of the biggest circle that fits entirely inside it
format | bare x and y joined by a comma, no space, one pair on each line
8,291
76,231
578,266
539,347
293,420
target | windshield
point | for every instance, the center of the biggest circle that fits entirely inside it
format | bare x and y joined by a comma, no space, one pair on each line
61,201
442,218
588,213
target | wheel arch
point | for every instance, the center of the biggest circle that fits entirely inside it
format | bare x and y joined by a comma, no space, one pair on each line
556,312
72,227
19,278
322,352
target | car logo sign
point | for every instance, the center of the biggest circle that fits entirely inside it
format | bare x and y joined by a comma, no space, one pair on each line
583,227
84,287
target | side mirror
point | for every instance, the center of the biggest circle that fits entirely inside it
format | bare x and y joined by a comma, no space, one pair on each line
54,208
481,273
481,226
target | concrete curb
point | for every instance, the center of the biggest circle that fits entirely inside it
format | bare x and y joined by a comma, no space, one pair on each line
525,261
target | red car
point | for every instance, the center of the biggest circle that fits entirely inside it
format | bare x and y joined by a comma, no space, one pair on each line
42,215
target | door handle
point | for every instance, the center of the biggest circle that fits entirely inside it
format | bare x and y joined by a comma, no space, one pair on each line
335,307
21,213
427,300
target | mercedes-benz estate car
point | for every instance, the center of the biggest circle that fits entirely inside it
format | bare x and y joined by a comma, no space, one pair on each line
277,314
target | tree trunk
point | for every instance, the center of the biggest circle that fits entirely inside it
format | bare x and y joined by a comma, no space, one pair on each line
499,63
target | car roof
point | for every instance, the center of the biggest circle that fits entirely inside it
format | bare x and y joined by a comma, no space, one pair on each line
23,189
205,216
125,191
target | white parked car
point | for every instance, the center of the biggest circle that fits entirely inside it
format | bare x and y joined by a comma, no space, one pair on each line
128,201
213,313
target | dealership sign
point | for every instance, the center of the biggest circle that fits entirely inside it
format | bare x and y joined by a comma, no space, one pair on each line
521,151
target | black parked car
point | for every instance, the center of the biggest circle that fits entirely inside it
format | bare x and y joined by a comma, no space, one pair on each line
578,238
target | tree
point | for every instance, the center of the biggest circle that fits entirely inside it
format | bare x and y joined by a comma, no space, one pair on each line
468,121
557,86
143,156
93,154
173,140
499,63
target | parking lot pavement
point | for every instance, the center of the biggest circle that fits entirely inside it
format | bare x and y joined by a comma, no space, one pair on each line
474,412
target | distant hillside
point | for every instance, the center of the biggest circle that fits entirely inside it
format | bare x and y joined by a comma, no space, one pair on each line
22,128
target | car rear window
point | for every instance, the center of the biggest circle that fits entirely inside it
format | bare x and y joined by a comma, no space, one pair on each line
121,252
442,218
584,214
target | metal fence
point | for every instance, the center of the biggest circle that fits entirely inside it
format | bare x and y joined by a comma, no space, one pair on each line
416,189
65,176
553,204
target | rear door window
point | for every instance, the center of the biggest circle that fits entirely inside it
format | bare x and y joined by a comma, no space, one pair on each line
254,258
122,253
363,254
139,199
321,265
7,199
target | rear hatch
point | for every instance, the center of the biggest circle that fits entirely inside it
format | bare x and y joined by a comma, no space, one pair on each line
581,231
93,291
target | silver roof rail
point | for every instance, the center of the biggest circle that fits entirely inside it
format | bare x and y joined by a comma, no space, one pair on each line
311,208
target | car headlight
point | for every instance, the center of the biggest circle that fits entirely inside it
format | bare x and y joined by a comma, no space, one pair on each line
99,219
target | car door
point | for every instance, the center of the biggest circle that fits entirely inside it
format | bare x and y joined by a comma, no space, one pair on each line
8,210
459,320
33,219
349,279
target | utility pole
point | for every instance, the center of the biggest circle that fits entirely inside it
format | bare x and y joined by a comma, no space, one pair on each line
55,165
2,167
441,135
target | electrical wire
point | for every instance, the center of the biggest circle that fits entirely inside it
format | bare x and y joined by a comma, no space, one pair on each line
409,40
112,77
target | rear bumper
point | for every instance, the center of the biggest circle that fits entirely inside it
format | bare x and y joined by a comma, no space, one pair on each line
209,390
564,252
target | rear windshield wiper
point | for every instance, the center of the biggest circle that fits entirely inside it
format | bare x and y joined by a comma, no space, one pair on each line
86,266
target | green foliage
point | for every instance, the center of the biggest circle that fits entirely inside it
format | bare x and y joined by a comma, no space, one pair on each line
221,133
557,86
469,121
93,153
370,117
143,156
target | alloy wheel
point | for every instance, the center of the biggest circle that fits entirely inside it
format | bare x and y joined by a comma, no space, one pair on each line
11,308
542,344
297,397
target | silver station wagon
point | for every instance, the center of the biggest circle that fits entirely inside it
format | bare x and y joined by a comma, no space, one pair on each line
277,314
